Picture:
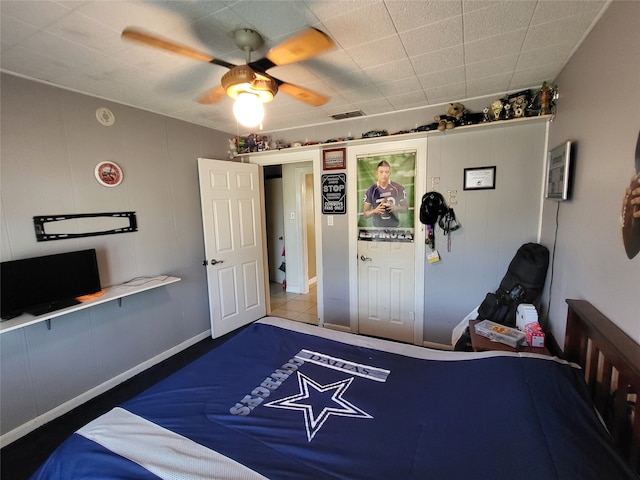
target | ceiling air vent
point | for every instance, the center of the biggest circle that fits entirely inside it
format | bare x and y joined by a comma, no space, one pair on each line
342,116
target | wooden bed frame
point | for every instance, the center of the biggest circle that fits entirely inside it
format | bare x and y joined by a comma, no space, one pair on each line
611,363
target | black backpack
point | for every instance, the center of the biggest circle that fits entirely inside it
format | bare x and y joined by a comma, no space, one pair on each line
523,283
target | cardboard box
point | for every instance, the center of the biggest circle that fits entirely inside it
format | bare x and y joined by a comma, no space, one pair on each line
534,334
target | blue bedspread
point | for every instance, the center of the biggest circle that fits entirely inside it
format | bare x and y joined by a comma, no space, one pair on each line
277,403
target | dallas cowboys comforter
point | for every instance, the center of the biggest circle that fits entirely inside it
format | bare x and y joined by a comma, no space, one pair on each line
283,400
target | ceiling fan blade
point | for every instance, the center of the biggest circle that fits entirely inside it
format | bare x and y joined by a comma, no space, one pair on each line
136,35
213,96
305,44
305,95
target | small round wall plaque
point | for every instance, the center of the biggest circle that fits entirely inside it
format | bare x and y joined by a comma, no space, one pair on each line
109,174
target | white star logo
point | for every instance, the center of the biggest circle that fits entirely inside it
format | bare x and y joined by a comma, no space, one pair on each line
317,396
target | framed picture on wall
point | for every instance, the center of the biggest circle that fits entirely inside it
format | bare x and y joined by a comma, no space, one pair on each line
480,178
334,159
558,169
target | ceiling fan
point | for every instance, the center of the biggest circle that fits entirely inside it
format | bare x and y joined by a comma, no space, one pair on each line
252,77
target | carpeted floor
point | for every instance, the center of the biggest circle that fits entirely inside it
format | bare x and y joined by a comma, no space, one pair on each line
20,459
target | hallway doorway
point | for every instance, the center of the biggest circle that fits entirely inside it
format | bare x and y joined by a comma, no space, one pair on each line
286,291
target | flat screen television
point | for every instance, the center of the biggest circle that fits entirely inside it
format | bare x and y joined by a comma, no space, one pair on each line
40,285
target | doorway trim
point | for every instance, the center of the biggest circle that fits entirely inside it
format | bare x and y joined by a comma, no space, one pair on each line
302,156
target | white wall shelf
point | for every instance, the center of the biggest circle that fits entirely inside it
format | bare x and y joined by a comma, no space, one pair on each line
403,136
114,292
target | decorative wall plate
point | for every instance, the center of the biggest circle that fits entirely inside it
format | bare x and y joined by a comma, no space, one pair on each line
109,174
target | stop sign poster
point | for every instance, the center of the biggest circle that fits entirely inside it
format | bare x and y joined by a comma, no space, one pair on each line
334,193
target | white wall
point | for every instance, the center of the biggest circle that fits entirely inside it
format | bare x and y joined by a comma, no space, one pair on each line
598,110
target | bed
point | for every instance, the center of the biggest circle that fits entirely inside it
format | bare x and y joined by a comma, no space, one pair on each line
285,400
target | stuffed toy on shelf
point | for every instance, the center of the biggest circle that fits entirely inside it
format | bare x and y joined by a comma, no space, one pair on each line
453,118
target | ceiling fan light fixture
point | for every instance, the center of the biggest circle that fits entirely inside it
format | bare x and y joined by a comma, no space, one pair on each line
243,79
265,88
248,109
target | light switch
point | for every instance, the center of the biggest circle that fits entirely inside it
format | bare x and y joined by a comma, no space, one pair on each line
293,215
330,220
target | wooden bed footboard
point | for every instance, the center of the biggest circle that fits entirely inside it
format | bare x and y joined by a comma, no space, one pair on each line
611,363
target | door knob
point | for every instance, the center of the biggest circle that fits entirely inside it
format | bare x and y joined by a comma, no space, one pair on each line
365,259
215,262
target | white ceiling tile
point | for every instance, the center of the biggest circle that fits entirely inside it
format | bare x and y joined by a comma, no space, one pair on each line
32,64
491,67
494,46
118,14
534,76
550,11
453,92
54,47
542,56
390,55
39,14
397,69
192,10
410,84
383,50
277,19
360,26
327,9
443,77
14,31
440,60
214,35
408,100
498,84
495,19
84,31
431,38
361,94
375,106
411,14
349,80
469,6
568,29
335,62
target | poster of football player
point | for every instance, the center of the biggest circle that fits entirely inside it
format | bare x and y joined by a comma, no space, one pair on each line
386,189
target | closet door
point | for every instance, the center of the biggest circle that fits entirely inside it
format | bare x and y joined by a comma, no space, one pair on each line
387,269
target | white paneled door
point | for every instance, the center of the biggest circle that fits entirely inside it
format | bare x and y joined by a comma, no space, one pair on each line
387,255
386,278
230,195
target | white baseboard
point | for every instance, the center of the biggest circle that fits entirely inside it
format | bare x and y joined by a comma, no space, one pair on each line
437,346
334,326
69,405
